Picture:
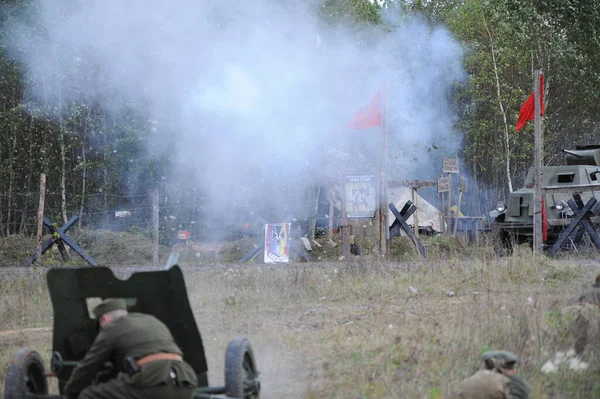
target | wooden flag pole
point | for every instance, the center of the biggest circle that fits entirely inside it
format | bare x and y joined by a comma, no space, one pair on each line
537,214
383,228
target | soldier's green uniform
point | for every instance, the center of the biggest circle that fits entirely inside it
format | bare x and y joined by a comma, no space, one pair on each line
134,335
519,388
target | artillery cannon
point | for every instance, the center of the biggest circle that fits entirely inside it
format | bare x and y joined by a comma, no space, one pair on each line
159,293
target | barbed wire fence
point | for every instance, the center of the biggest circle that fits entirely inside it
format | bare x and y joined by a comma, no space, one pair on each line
120,213
184,209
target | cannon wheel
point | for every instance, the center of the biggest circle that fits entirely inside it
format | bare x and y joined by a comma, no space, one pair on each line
25,374
241,375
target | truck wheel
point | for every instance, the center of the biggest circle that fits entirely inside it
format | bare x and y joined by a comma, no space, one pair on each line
25,375
241,375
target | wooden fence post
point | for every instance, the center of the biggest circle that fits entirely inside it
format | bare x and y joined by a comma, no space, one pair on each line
40,220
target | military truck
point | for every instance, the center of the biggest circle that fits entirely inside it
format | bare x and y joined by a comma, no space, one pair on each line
511,221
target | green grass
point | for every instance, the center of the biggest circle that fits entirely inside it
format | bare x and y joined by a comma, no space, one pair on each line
410,329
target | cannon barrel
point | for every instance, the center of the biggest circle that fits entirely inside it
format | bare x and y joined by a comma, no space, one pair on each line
589,156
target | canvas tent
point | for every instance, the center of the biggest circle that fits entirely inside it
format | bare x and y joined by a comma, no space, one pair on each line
428,215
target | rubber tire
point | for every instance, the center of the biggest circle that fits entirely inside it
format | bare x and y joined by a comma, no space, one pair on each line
239,364
25,374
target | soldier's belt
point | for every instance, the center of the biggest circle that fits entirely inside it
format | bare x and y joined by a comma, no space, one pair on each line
158,356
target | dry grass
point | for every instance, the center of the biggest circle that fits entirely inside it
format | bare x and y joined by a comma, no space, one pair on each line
342,330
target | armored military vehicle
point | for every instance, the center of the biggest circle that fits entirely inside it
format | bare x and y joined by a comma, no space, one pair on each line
512,221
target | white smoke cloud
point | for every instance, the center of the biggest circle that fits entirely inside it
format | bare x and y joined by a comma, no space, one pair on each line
260,89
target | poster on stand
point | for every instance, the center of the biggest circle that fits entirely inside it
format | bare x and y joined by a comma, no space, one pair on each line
360,197
277,243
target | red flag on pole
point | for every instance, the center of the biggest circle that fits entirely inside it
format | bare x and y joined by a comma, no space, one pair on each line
368,116
528,108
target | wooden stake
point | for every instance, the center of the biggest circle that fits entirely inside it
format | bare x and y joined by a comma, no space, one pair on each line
537,215
331,211
40,220
344,225
415,200
362,242
449,220
457,212
442,220
442,212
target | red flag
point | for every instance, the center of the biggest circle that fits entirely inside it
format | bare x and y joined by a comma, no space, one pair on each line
368,116
528,108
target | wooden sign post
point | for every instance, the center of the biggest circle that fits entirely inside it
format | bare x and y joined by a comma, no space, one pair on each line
443,186
450,166
360,193
462,188
415,186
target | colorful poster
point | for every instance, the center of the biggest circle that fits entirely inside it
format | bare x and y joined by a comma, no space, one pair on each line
360,197
277,243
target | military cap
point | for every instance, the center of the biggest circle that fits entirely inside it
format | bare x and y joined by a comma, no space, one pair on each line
108,305
503,359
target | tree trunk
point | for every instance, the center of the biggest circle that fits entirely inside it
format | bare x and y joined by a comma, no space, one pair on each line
2,183
84,166
155,227
63,168
28,184
478,199
105,155
502,110
11,179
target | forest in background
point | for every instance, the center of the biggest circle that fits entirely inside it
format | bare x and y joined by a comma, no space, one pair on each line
100,159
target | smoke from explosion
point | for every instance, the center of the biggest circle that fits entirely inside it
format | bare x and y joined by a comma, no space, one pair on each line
247,92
